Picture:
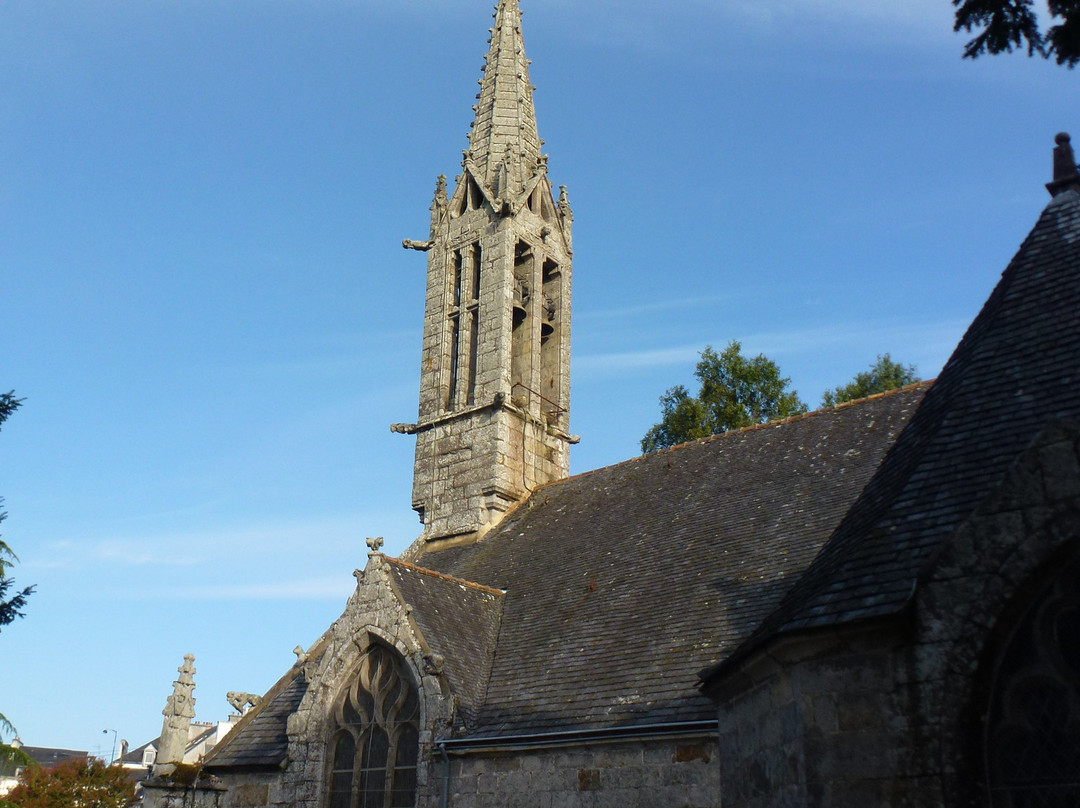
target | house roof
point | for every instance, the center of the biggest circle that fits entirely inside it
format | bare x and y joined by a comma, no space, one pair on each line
135,756
1017,368
44,756
623,582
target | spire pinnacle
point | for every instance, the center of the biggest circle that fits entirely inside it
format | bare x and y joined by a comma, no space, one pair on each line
179,712
1066,176
504,147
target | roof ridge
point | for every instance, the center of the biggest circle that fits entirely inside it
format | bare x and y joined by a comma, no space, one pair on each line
742,430
442,576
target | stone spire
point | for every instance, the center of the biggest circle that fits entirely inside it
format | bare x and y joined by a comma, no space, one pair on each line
494,408
179,712
504,147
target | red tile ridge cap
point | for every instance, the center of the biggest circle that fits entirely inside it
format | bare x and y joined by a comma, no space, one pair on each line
444,577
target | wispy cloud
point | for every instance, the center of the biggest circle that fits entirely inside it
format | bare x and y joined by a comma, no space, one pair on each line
910,14
920,343
140,554
614,363
934,336
335,588
236,547
686,303
645,22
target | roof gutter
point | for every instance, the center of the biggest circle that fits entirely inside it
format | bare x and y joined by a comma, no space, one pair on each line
552,740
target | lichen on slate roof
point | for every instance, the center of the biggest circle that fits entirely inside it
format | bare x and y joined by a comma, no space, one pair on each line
623,582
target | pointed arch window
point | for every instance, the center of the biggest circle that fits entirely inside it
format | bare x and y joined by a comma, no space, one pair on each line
375,744
1033,722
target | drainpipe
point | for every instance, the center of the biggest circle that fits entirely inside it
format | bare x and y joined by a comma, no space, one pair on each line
445,775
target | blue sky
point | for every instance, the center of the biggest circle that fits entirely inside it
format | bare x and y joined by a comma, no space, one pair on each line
207,308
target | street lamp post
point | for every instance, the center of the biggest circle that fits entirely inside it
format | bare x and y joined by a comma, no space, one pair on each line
112,757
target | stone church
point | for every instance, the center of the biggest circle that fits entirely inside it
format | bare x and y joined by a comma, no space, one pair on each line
872,605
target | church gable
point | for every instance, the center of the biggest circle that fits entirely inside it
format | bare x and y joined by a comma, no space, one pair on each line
460,621
1017,366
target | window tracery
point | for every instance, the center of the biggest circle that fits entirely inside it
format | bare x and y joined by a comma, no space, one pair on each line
1033,725
375,743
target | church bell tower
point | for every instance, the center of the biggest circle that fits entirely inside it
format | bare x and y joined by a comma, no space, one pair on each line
495,366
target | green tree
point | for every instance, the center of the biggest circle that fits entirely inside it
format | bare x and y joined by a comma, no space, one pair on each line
884,374
11,756
75,783
10,607
1006,24
736,392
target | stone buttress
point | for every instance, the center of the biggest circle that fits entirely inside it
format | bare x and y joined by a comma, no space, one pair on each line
495,366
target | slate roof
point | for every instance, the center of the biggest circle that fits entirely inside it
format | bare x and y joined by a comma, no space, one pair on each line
44,756
259,739
1017,368
623,582
135,756
460,621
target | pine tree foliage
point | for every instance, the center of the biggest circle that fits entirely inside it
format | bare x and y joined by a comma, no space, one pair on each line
883,375
1003,25
736,392
10,606
75,783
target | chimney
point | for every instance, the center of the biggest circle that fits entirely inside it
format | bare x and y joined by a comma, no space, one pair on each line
1066,177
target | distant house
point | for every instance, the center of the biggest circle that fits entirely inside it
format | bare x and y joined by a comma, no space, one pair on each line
202,737
43,756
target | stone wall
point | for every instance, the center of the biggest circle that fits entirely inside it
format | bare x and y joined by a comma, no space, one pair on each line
826,723
162,793
653,774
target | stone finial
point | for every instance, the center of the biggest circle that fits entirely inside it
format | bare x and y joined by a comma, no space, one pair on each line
566,216
375,545
179,712
1066,176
